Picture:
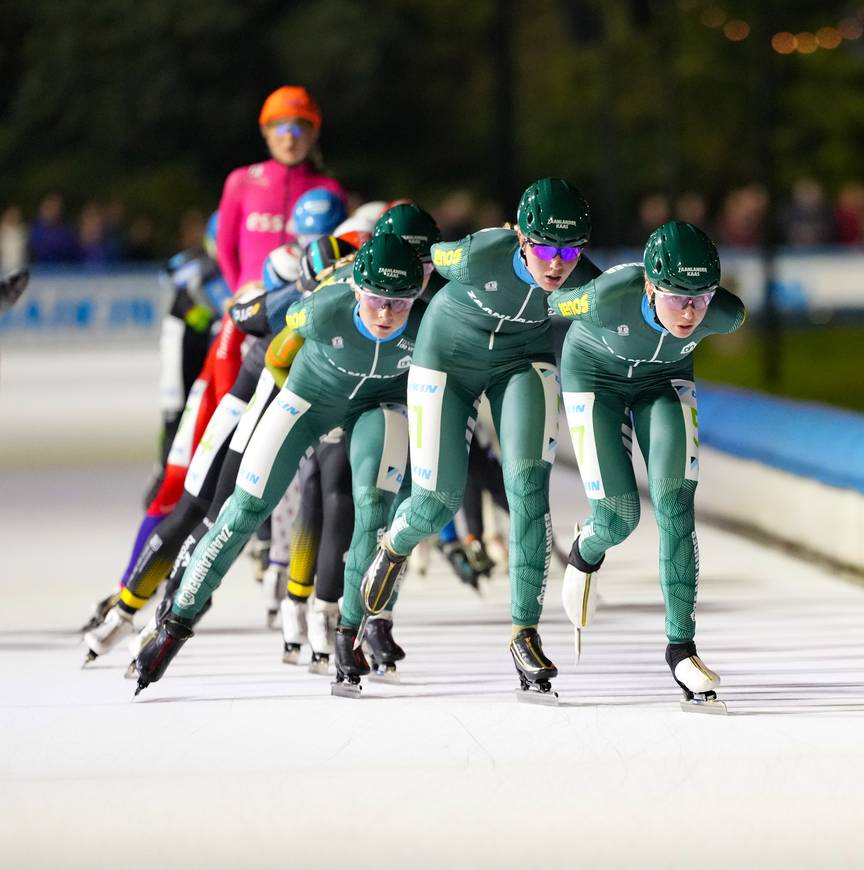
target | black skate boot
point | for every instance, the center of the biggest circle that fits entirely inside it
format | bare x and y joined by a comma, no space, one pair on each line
383,650
479,560
100,611
351,664
378,583
153,660
455,554
695,679
534,669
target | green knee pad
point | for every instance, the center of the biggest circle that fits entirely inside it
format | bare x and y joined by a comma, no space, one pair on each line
371,509
424,514
679,554
612,520
527,485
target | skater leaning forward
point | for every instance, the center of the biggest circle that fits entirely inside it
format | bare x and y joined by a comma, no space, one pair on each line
627,367
488,330
358,338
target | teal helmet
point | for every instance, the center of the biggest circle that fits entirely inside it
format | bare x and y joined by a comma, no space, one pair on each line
554,212
413,224
681,258
387,266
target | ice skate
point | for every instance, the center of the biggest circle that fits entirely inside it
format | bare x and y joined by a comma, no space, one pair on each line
697,681
383,651
102,639
455,554
479,560
418,561
579,592
259,553
351,664
275,583
534,669
153,660
100,611
138,642
294,630
322,631
378,583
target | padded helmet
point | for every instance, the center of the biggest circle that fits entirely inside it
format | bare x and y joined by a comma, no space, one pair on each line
317,212
320,255
387,266
554,212
413,224
681,258
281,267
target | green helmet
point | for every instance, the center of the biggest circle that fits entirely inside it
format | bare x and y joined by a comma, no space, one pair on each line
387,266
554,212
681,258
413,224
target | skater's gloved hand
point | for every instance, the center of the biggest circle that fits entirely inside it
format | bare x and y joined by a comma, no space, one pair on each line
199,318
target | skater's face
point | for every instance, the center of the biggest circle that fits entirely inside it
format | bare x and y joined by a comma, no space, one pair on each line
550,274
289,139
381,315
678,313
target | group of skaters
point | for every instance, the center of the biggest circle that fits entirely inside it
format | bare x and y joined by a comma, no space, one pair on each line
353,349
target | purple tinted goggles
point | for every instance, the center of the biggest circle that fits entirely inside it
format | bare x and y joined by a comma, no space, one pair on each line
550,252
397,306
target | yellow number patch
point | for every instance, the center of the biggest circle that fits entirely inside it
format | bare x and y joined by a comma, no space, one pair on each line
575,306
295,321
447,258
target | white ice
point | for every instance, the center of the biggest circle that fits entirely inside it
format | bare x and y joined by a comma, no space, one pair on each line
235,760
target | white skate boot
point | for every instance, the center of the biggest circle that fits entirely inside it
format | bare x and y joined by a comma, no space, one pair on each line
100,640
294,631
696,679
275,583
322,634
138,642
579,593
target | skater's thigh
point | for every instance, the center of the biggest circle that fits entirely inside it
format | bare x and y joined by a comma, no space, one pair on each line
288,427
441,415
525,412
602,436
378,448
667,428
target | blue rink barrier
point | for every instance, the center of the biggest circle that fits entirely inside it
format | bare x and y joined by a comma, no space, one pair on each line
803,438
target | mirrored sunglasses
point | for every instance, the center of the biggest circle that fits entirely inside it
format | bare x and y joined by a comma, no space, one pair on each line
397,306
549,252
680,301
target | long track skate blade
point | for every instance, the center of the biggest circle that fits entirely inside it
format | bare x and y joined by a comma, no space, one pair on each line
345,689
532,696
90,657
387,675
578,640
697,705
131,671
361,632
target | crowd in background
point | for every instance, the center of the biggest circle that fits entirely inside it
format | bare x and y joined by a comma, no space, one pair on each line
103,233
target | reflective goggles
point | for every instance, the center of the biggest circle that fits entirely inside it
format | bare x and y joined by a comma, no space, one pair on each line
680,301
550,252
295,128
377,303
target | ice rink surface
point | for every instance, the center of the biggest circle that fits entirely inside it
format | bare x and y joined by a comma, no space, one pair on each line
236,760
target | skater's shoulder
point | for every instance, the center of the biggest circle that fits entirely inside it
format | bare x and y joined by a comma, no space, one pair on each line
476,255
726,313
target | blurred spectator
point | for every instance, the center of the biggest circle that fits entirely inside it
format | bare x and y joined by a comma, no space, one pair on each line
192,226
691,207
806,218
489,214
849,214
139,240
96,247
52,240
742,219
653,212
13,239
455,215
114,214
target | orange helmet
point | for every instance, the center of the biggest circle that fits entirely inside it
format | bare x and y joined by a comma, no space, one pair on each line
290,102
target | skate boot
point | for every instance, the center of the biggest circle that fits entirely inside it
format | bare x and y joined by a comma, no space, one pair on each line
259,553
383,651
103,638
534,669
100,611
294,632
418,561
153,660
479,560
138,643
275,583
322,632
697,681
379,581
579,592
455,554
351,664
